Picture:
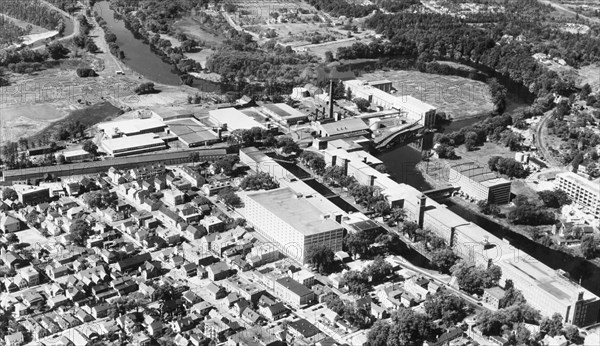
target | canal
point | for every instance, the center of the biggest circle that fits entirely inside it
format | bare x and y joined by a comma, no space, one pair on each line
139,55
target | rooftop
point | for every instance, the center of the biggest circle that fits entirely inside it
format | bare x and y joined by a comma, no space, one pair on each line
299,213
146,139
591,185
191,131
131,126
284,111
294,286
234,119
344,126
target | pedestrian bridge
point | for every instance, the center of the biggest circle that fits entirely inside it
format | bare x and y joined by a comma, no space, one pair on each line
441,192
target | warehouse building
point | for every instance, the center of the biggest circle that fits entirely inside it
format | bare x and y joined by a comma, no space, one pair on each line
284,114
192,133
292,221
131,145
344,127
582,191
77,155
232,119
480,183
413,109
132,127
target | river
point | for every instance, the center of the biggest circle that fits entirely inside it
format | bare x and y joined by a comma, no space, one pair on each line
140,57
401,163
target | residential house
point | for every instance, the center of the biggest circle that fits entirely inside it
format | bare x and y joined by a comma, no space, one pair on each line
273,312
218,271
293,292
305,331
9,224
213,224
492,296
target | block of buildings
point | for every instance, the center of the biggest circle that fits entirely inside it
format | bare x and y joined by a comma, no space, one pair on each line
582,191
412,108
131,145
292,222
284,114
480,183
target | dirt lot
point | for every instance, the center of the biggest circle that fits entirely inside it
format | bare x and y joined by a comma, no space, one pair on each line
459,97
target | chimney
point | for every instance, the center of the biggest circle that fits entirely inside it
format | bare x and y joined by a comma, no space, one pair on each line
336,116
333,160
219,133
372,180
421,204
331,98
345,166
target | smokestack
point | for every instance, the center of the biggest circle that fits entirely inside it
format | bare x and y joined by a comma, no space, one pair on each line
421,202
331,98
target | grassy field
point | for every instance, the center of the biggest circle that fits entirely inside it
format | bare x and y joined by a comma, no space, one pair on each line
590,74
191,26
87,116
459,97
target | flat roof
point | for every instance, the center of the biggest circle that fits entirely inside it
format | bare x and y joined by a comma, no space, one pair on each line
190,131
166,113
284,111
591,185
406,102
479,174
344,126
234,119
145,139
75,152
131,126
299,213
381,81
294,286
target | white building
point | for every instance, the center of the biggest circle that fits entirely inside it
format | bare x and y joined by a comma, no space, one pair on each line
131,127
292,222
413,109
233,119
582,191
133,144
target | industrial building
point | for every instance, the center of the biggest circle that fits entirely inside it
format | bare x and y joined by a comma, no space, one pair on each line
544,288
346,127
192,133
413,109
232,119
77,155
132,127
171,113
582,191
284,114
130,145
480,183
32,195
292,221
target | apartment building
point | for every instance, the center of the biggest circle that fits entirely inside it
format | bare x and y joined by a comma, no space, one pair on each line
480,183
582,191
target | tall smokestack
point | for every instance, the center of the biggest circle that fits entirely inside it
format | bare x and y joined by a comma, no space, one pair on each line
331,98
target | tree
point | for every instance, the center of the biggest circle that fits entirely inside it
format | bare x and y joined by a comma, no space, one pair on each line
443,259
512,296
226,164
362,104
328,56
90,147
487,208
409,328
378,334
446,306
90,46
57,51
9,193
589,246
554,199
378,270
80,231
357,282
60,159
259,181
287,145
358,243
144,88
229,197
445,151
552,326
321,257
12,238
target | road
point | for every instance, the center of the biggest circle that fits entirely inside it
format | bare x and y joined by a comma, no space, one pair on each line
540,134
73,19
568,10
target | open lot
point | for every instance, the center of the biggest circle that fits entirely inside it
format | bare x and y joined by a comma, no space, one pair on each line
193,27
457,96
589,74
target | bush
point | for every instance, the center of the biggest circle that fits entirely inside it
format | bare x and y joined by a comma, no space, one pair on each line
86,72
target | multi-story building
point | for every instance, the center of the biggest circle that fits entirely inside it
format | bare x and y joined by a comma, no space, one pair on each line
479,183
413,109
582,191
32,195
133,144
293,292
192,175
291,221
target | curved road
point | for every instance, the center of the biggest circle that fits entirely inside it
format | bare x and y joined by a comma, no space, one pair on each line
566,9
540,133
65,14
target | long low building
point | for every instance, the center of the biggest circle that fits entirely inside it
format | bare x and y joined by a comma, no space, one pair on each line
131,145
414,109
480,183
284,114
192,133
544,288
131,127
167,158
